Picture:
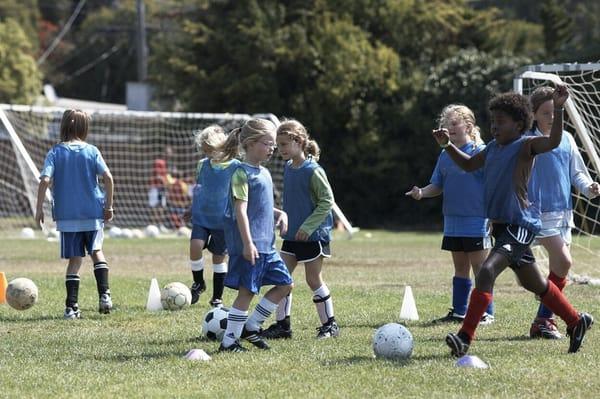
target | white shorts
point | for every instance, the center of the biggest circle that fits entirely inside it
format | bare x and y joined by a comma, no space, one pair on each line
564,232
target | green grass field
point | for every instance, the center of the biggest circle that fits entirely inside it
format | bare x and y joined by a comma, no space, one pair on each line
133,353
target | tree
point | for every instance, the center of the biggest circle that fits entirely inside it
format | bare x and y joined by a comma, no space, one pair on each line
20,79
558,26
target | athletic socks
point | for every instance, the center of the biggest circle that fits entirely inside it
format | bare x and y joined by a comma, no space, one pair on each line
72,284
263,310
324,303
219,273
477,306
554,299
197,267
461,288
101,274
235,324
284,309
560,282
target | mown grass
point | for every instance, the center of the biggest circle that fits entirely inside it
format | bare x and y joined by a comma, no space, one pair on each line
133,353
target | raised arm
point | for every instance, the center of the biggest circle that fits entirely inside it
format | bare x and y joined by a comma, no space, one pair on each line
541,144
463,160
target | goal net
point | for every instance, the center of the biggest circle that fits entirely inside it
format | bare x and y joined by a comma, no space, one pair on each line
582,120
132,143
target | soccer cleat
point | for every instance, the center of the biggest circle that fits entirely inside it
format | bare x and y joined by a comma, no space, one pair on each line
457,344
72,312
105,303
235,348
577,333
486,319
544,328
277,331
328,330
254,337
216,303
451,317
196,289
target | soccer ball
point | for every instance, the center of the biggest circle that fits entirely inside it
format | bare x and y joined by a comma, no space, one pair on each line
21,293
152,231
27,233
393,341
115,232
214,323
175,296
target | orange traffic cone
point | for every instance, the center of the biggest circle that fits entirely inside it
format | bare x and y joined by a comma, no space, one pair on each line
3,285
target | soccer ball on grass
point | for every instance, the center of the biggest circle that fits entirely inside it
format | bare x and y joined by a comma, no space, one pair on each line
21,293
393,341
175,296
214,323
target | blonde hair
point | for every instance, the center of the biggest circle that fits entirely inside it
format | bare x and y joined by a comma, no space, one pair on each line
297,132
238,139
211,137
467,115
74,124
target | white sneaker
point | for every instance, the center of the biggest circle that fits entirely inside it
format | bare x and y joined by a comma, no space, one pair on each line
105,303
486,319
72,313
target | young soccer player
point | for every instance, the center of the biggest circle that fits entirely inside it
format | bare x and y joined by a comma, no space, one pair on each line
80,206
207,213
466,233
553,174
249,234
307,200
507,162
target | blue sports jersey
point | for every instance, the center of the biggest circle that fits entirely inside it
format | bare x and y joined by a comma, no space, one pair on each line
298,203
551,175
500,187
78,199
463,207
260,213
211,193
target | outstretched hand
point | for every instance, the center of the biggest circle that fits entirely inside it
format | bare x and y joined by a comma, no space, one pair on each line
442,136
595,189
560,95
415,192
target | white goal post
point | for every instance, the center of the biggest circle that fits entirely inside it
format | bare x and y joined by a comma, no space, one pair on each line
130,142
582,119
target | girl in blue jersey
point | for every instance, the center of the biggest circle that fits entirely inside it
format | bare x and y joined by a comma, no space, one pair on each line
80,206
466,232
553,174
250,219
207,212
507,161
307,200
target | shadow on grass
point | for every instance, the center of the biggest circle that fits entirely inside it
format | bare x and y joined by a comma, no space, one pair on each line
30,319
125,357
365,360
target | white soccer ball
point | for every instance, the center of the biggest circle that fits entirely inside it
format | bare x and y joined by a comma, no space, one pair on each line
115,232
137,233
152,231
126,233
393,341
21,293
27,233
175,296
214,323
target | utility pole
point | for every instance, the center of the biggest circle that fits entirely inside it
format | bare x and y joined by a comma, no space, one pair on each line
141,45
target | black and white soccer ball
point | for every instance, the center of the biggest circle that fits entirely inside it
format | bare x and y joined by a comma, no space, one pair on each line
393,341
21,293
175,296
214,323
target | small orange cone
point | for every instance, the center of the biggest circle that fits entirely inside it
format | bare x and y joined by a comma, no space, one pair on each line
3,285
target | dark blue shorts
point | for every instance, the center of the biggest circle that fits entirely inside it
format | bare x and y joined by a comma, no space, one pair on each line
76,243
214,240
268,269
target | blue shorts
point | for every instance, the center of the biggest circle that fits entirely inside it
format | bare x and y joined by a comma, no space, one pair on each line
75,243
268,269
214,240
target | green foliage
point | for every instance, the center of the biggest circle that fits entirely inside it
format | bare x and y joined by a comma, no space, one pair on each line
558,26
20,79
26,14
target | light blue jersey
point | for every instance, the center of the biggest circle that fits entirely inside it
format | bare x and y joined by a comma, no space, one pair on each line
78,199
506,176
463,207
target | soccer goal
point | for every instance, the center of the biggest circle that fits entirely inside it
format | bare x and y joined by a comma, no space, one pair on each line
130,142
582,119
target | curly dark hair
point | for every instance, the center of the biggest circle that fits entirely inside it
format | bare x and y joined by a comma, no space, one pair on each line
515,105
